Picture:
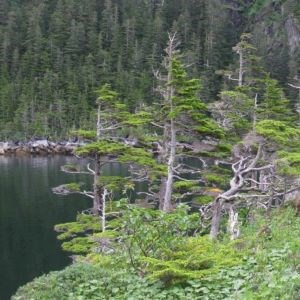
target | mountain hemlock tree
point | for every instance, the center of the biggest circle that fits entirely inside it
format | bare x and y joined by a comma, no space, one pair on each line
237,109
109,146
264,175
182,114
244,49
257,169
254,170
274,105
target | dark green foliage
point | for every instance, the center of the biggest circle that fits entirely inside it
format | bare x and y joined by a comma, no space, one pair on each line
194,258
289,163
53,57
187,105
215,179
106,95
208,127
278,131
236,108
73,187
85,134
204,199
275,272
265,267
55,53
83,236
256,6
88,282
123,153
68,188
84,281
84,224
150,232
218,176
103,147
274,105
184,186
71,168
116,183
222,153
79,245
224,147
137,119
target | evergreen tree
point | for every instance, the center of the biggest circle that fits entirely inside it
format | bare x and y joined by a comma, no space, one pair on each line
183,115
274,105
108,146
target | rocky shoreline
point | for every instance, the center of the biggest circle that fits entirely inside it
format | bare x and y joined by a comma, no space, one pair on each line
38,147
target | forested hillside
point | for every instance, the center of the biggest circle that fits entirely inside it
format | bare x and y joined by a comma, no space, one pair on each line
55,53
185,115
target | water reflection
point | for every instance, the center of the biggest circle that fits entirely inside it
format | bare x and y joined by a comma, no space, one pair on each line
28,212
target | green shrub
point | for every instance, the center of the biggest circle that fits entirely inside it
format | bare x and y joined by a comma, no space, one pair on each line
193,258
217,179
203,199
259,266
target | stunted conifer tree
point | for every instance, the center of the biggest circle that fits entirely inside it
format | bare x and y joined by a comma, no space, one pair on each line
257,162
108,145
184,118
273,105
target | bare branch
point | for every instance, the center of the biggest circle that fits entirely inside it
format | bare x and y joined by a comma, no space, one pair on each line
147,194
88,167
88,194
74,172
294,86
157,125
262,168
229,76
188,180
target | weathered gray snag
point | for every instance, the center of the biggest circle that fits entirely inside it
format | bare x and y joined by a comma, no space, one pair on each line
171,49
241,170
297,87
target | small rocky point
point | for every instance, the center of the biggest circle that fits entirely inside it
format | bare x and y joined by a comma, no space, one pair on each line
38,147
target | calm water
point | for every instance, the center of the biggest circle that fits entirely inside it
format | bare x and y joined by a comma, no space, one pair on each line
28,212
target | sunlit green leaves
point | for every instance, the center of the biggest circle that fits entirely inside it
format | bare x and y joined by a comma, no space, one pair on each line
278,131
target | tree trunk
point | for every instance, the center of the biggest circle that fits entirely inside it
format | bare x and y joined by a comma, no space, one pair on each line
99,122
98,192
241,68
167,206
97,202
103,212
233,223
255,114
162,192
215,224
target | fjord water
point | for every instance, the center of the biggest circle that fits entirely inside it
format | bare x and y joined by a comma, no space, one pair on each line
28,212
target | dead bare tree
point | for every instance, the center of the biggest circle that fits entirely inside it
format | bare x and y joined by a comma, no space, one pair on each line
241,171
254,182
297,87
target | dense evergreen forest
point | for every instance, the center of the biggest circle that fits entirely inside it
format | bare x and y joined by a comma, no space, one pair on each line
54,54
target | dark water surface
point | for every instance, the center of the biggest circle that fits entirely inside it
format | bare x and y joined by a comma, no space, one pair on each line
28,212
